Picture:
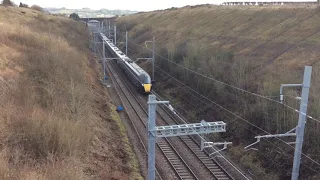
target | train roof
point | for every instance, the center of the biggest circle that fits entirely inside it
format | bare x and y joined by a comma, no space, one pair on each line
132,65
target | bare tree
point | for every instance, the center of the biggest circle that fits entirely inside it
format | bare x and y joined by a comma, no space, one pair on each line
74,16
23,5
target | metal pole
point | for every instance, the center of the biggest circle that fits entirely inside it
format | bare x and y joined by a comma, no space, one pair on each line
94,42
287,85
153,58
202,142
101,29
302,122
109,29
104,62
152,105
127,43
115,35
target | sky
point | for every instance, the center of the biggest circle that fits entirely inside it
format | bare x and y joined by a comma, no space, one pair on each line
138,5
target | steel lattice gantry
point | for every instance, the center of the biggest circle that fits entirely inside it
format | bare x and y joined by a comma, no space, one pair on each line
190,129
172,130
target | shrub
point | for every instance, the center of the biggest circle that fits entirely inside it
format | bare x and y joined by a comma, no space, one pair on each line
7,3
45,101
23,5
74,16
37,8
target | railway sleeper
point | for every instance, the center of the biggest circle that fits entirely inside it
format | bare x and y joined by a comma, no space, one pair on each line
215,171
170,153
202,156
220,176
176,163
184,175
208,163
213,167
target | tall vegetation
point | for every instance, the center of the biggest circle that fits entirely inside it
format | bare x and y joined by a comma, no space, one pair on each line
45,99
23,5
37,8
55,122
7,3
74,16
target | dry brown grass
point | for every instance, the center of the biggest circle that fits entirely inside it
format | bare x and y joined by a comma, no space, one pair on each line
7,3
37,8
45,107
47,121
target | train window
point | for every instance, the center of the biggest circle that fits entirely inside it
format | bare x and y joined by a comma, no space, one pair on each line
144,78
128,60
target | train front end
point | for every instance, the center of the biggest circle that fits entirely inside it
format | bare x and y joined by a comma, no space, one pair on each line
147,88
146,83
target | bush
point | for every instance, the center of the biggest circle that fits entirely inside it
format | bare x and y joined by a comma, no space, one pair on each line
23,5
42,134
74,16
45,107
37,8
7,3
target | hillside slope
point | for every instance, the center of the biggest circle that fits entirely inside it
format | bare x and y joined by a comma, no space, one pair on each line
56,121
253,48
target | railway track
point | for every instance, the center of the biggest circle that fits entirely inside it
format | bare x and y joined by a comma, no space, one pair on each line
132,114
221,171
136,112
215,168
176,161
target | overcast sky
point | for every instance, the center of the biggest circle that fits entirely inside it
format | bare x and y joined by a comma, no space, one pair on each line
140,5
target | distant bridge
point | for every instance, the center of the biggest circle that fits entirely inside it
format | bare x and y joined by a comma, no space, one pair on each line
102,19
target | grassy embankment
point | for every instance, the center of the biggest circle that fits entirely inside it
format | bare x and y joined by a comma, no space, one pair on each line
55,120
254,48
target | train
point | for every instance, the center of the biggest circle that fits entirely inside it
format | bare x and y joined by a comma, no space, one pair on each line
139,77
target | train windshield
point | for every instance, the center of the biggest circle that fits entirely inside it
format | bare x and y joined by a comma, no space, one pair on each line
145,79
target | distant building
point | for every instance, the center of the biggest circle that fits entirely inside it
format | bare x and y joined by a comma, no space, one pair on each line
266,2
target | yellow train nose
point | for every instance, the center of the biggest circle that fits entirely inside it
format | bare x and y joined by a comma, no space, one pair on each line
147,87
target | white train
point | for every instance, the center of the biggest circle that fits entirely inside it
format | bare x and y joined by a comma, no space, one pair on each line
136,74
